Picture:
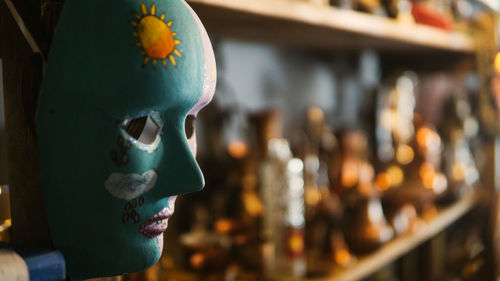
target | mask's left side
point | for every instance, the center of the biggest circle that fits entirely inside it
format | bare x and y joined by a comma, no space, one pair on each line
116,66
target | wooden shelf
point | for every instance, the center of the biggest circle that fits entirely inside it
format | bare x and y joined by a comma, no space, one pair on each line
398,247
294,22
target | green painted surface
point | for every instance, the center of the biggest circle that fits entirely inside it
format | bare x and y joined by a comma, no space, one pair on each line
94,81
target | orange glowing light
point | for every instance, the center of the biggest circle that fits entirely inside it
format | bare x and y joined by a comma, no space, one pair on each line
342,257
423,136
405,154
427,174
349,175
6,224
296,243
315,114
252,203
396,174
458,171
237,149
365,188
497,63
197,260
383,181
429,213
312,196
223,226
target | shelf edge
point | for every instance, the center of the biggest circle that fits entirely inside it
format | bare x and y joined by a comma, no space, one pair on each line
401,245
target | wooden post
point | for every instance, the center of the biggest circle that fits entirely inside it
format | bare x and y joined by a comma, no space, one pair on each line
22,75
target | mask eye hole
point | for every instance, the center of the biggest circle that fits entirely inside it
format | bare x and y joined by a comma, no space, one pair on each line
189,126
144,129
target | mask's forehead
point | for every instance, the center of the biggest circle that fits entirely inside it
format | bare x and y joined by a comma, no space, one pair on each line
128,57
210,69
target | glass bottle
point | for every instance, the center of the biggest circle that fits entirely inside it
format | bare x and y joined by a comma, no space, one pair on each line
282,190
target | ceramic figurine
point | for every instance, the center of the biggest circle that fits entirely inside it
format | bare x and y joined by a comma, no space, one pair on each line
124,83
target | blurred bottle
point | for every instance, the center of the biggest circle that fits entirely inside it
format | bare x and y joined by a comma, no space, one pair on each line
459,128
366,228
324,236
429,150
425,182
282,189
395,130
394,134
314,127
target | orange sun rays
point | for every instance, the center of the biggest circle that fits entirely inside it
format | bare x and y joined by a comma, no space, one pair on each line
155,37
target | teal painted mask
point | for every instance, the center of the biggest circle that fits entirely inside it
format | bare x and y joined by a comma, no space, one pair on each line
124,81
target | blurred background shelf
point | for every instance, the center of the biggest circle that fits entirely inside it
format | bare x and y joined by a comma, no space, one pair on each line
395,249
303,24
341,77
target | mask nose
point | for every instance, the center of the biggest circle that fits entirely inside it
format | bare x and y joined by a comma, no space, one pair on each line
178,172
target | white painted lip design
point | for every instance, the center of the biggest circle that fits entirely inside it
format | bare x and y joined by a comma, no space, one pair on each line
130,186
158,223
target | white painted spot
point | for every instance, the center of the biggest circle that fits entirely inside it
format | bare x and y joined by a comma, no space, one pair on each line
130,186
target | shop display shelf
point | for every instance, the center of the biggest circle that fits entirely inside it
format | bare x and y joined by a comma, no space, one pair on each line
398,247
295,22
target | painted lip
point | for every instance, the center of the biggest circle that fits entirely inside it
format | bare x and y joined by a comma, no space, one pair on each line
158,223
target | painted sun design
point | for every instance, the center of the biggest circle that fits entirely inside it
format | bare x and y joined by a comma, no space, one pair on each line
155,37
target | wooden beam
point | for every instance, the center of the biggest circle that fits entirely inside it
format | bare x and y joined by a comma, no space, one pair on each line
22,76
301,23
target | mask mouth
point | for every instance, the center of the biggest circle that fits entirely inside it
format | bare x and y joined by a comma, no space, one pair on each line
144,131
158,223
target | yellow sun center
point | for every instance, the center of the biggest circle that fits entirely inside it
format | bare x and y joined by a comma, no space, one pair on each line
155,37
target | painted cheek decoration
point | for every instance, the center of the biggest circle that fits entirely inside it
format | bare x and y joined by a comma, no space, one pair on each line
130,186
